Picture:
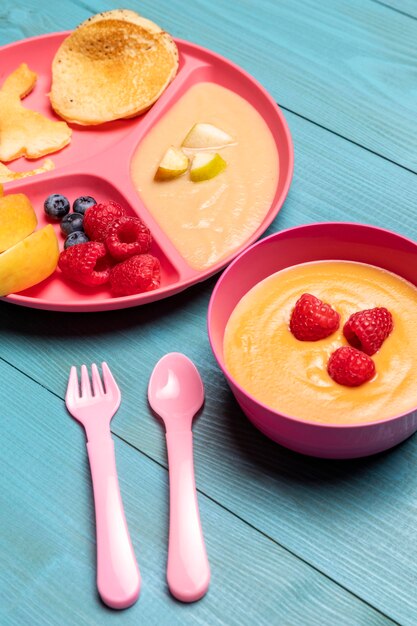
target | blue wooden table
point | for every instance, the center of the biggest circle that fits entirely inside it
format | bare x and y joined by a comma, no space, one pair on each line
291,540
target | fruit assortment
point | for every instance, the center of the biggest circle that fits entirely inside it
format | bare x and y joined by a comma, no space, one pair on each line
312,320
104,245
202,160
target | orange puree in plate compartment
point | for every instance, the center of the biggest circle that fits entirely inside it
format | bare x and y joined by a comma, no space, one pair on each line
208,220
291,377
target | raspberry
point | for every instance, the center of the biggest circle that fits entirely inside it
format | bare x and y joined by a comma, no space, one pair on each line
98,218
367,330
137,274
87,263
313,319
127,236
350,367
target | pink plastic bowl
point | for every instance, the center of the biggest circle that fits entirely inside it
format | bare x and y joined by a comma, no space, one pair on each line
313,242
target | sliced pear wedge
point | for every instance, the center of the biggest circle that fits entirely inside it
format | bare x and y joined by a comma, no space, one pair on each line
206,165
206,136
173,164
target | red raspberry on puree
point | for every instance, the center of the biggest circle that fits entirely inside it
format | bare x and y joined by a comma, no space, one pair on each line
98,218
313,319
127,236
87,263
135,275
350,367
367,330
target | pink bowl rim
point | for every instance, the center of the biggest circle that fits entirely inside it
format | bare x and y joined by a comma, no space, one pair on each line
219,358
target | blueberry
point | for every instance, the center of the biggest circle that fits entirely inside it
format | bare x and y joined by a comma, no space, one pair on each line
71,223
83,203
74,238
56,206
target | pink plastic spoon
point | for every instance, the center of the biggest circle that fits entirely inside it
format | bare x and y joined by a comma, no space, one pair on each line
176,393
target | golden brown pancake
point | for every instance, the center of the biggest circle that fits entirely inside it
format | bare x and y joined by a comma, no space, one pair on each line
24,132
114,65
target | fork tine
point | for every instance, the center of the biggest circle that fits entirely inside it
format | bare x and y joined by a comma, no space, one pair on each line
97,384
73,391
85,383
109,382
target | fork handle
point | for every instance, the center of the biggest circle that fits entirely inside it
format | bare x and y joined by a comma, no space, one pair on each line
118,577
188,570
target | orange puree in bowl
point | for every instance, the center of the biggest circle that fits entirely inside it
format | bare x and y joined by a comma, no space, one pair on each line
208,220
291,377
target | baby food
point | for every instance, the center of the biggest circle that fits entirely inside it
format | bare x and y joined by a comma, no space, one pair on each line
291,376
207,220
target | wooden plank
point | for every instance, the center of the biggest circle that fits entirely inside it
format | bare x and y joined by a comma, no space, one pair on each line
407,7
364,512
346,65
47,546
336,516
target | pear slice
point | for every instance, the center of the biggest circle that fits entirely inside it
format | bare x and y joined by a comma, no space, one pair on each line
206,165
173,164
206,136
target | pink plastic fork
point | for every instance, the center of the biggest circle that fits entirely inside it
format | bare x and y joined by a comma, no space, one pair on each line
118,577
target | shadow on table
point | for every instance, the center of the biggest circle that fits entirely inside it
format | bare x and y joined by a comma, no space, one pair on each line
269,458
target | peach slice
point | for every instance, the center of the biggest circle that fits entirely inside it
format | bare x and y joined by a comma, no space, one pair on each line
29,262
17,219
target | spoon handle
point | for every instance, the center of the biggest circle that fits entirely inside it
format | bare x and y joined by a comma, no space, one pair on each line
188,571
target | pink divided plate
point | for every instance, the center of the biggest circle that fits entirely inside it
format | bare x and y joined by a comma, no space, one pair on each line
97,163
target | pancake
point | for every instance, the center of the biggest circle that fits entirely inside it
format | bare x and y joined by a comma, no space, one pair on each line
23,132
114,65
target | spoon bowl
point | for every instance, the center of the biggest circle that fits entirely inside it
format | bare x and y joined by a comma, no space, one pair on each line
175,390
